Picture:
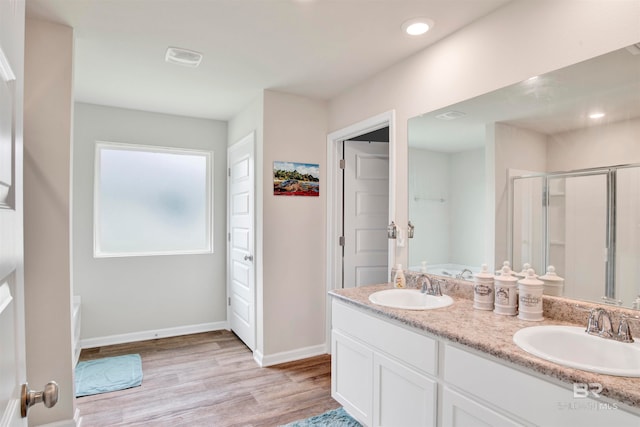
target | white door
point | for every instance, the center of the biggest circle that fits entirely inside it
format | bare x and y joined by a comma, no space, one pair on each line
12,347
366,213
240,245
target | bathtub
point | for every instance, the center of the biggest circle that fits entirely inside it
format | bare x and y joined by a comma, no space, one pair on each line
448,270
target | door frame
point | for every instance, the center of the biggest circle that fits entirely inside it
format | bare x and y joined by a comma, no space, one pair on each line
334,196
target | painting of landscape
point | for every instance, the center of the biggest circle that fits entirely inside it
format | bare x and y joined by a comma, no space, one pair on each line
296,179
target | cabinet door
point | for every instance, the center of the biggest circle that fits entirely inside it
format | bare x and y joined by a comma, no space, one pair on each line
352,376
402,396
460,411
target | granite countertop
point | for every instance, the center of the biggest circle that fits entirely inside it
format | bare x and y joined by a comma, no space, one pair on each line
492,334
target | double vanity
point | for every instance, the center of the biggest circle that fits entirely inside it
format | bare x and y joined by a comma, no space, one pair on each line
449,364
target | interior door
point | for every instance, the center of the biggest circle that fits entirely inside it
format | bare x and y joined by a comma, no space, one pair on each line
240,244
366,213
12,338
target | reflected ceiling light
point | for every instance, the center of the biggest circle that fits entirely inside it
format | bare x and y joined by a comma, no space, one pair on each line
417,26
597,115
450,115
185,57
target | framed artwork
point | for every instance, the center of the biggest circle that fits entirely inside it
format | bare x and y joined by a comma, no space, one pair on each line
296,179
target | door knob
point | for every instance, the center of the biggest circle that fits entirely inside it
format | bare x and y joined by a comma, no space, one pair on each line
248,257
49,396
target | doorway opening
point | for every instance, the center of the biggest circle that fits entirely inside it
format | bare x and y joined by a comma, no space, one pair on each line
364,168
335,144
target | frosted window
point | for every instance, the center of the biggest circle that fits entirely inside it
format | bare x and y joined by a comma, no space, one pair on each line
151,201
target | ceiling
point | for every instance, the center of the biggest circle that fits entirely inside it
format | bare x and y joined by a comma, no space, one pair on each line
313,48
555,102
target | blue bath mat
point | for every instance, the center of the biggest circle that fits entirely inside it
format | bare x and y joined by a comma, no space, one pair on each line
108,374
334,418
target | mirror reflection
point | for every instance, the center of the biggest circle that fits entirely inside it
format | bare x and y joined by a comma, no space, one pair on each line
540,172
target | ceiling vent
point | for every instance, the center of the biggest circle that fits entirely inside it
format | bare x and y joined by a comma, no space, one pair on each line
634,49
450,115
185,57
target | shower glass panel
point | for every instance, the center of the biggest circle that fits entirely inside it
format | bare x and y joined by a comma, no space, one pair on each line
627,269
577,232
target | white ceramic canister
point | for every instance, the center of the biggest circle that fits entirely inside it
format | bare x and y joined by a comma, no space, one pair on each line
521,275
505,264
553,284
506,293
530,297
483,289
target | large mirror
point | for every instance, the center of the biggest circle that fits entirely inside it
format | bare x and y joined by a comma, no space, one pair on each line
541,172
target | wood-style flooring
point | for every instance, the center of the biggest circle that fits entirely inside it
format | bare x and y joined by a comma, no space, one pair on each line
209,379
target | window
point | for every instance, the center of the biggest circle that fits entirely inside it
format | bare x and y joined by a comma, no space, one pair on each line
151,201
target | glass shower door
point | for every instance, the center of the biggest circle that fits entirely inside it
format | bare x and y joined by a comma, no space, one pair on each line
578,232
627,268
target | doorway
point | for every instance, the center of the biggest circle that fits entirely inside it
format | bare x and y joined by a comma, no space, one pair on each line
335,192
365,209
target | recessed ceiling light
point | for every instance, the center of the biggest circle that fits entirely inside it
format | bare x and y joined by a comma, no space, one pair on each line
417,26
596,115
450,115
186,57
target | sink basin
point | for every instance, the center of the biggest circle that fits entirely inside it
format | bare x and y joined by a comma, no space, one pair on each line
409,299
571,346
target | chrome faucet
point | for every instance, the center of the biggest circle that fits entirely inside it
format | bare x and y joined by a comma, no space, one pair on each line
429,288
599,323
462,273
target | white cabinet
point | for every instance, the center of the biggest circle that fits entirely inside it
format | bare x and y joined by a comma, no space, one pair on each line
460,411
387,374
380,371
402,396
524,398
352,376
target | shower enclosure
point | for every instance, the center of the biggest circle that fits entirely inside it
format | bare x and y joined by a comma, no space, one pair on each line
586,223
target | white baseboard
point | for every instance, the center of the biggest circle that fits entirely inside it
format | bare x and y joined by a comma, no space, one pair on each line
153,334
75,422
288,356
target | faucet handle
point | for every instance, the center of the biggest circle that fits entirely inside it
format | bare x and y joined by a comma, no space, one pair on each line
592,320
437,289
624,331
592,323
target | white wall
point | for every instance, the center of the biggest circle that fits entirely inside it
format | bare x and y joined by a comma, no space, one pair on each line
48,116
429,204
294,292
595,146
522,39
514,148
468,212
130,298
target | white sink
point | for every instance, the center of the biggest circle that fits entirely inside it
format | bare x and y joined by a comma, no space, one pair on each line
571,346
409,299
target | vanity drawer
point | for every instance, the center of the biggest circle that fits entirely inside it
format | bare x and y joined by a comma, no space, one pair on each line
527,397
417,350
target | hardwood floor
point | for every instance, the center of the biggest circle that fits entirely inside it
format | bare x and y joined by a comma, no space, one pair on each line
209,379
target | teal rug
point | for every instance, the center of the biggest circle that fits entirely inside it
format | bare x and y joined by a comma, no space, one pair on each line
334,418
108,374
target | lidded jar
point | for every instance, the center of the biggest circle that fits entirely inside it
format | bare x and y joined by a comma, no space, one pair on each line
526,266
553,284
530,297
506,293
483,289
505,264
